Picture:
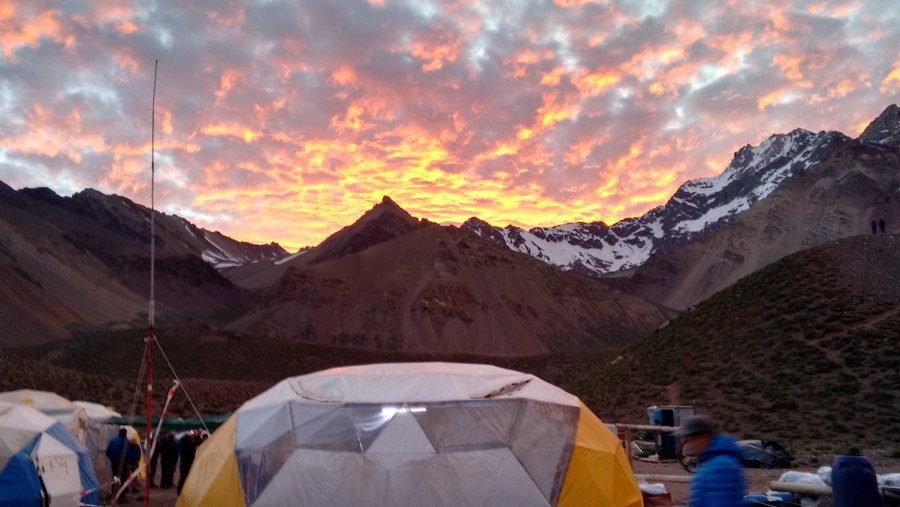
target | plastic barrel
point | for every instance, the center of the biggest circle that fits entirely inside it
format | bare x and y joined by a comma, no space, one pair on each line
853,482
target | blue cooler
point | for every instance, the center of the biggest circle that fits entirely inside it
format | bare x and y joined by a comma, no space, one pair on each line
853,482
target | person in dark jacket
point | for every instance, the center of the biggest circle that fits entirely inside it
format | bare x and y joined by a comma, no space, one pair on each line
719,482
881,225
133,455
154,461
874,225
187,448
116,451
168,451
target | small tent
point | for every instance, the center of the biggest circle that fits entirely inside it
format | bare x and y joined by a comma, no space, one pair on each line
70,414
40,461
412,434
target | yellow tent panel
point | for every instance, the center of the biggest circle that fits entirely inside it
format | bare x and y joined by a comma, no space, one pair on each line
599,472
214,479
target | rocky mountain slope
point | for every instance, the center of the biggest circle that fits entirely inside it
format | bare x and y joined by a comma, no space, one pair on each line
81,262
835,199
435,288
697,207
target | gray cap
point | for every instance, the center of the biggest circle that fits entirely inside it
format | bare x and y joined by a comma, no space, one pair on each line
696,425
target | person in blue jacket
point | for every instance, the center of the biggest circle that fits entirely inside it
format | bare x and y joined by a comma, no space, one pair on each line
117,454
719,482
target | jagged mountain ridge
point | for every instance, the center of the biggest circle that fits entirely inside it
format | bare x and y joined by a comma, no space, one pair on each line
835,199
885,129
697,207
82,262
438,289
385,221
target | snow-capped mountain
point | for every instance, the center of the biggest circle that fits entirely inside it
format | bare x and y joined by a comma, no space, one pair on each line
697,206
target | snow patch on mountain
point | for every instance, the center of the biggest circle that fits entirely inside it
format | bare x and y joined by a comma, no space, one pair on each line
697,206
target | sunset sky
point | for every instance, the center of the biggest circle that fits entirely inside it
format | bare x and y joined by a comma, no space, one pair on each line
286,120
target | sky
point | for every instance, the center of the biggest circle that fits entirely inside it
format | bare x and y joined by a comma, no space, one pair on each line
286,120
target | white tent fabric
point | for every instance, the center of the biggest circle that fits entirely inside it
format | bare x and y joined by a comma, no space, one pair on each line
405,434
73,417
58,468
46,402
18,427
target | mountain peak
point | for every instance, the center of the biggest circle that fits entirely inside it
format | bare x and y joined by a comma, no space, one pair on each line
384,222
885,129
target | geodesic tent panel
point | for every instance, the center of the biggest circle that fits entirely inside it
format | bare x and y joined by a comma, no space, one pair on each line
413,434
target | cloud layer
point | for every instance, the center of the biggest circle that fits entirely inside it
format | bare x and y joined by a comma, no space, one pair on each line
285,120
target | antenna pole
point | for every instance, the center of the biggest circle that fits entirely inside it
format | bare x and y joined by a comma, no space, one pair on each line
151,335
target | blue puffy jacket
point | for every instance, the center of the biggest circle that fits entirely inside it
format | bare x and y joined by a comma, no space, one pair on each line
719,482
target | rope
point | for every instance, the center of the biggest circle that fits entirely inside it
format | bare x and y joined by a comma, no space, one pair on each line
177,379
144,465
134,401
188,396
77,498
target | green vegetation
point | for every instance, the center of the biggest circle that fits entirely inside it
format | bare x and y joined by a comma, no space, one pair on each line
789,353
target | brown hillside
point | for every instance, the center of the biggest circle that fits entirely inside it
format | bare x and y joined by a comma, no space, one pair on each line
69,264
803,351
440,289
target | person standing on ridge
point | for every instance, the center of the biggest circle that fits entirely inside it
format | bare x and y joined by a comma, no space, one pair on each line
874,225
881,225
719,482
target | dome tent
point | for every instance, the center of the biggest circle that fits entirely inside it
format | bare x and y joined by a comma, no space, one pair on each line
70,414
412,434
40,461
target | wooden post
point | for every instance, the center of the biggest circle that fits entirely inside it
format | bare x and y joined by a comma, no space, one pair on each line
664,478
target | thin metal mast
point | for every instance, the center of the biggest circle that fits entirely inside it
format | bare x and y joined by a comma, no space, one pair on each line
151,335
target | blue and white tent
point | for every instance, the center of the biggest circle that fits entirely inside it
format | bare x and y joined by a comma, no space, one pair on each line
40,461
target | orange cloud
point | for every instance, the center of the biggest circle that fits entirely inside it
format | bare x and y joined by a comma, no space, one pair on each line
226,83
248,135
553,77
27,31
596,83
891,81
553,112
789,65
343,75
436,52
